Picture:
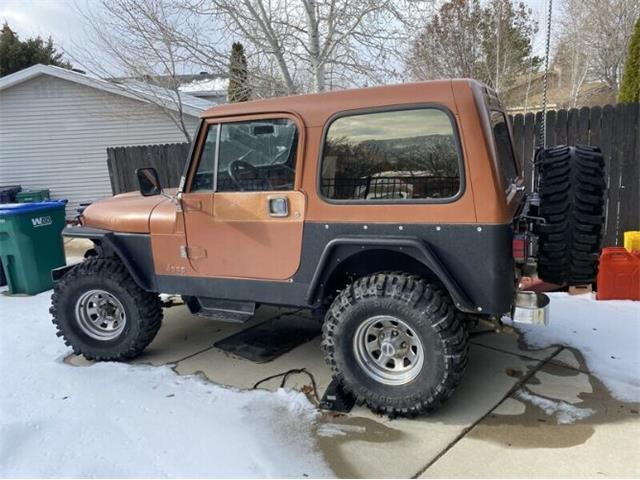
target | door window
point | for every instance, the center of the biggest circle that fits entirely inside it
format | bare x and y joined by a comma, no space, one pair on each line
204,178
257,155
403,155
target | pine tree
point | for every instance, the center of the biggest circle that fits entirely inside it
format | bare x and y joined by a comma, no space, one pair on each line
238,90
630,87
16,54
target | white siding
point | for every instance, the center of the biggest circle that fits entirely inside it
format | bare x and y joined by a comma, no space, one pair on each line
54,134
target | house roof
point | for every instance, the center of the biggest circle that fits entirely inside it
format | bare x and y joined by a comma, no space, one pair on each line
191,105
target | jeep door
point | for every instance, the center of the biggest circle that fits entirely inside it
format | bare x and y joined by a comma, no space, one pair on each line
243,211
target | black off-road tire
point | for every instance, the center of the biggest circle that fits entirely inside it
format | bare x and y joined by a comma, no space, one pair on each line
428,310
572,186
143,310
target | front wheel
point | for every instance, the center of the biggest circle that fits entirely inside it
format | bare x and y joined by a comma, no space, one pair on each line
396,343
102,314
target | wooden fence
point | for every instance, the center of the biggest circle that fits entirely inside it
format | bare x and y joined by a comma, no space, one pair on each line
168,159
615,128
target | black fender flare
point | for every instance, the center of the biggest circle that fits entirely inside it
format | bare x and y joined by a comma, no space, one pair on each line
412,246
110,246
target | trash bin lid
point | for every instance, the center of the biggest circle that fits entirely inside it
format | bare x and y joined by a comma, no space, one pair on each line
10,209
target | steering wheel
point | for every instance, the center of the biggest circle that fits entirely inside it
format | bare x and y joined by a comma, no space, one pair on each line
242,172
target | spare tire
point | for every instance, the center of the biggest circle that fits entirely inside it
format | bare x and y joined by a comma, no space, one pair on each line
571,188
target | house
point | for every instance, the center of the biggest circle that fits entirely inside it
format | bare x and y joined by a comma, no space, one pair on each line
526,93
209,86
56,124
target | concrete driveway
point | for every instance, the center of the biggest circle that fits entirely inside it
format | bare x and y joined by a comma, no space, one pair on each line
506,420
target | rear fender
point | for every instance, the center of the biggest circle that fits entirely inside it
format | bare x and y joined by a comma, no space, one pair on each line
340,249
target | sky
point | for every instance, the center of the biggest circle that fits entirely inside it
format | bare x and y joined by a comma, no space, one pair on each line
61,20
57,18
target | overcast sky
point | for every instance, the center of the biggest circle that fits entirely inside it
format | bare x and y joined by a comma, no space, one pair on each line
59,18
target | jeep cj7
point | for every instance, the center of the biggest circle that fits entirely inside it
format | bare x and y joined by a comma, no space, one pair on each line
397,214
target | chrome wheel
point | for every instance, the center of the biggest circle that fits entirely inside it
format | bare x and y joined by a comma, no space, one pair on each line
100,315
388,350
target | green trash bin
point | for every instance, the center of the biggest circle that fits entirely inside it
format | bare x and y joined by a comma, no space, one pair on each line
31,244
31,196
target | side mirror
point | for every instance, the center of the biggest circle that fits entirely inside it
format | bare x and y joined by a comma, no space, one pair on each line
148,181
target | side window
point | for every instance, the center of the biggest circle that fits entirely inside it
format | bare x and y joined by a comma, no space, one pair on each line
399,155
203,180
506,158
257,155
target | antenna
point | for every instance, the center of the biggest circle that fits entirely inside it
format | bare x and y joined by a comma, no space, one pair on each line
542,141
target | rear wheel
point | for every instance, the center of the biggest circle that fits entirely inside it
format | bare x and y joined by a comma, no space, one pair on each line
102,314
571,191
396,343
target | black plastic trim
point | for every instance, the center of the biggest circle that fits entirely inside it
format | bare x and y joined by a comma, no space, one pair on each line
285,293
392,108
133,250
426,256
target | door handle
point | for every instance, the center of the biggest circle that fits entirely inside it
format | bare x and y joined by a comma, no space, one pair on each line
278,206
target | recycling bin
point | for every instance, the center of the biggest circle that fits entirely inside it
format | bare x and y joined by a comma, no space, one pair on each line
31,244
30,196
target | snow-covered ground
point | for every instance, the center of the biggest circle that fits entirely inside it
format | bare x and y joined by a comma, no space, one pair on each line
116,420
607,333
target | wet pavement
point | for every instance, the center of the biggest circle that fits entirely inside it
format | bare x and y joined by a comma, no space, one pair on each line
518,412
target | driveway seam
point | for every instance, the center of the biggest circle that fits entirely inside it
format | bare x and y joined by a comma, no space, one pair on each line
512,390
526,357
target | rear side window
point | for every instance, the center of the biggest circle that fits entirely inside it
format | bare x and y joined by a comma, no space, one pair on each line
403,155
506,158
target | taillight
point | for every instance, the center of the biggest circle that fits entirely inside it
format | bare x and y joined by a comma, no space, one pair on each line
520,247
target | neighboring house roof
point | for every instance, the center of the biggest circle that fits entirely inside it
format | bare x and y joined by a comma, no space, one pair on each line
132,89
206,85
212,87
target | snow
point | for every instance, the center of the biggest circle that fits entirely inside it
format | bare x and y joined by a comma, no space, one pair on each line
215,85
564,412
607,333
338,430
118,420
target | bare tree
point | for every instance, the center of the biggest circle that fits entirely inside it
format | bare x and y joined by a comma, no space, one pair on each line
138,37
311,45
572,63
595,38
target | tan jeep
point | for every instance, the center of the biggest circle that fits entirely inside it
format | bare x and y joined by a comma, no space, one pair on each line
392,211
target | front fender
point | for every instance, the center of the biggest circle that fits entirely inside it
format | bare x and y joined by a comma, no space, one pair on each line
132,249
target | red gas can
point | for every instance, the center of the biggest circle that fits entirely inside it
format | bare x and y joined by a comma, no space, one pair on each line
618,275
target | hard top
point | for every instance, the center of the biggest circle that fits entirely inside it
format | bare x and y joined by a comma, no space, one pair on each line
315,108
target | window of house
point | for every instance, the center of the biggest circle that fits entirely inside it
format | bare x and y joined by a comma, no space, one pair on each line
506,157
257,155
403,155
